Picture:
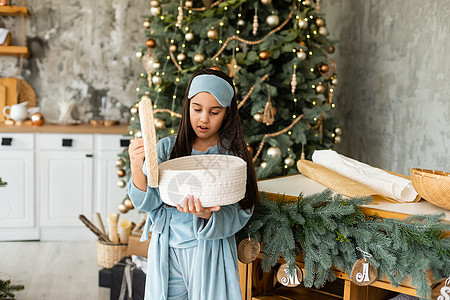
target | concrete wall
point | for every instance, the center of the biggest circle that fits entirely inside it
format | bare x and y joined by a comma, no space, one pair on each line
394,93
81,51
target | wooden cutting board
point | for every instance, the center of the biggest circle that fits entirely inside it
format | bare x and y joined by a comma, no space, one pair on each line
13,86
2,102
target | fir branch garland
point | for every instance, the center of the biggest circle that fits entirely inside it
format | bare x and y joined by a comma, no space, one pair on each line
324,230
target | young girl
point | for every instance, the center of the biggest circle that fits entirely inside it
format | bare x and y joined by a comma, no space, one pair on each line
192,253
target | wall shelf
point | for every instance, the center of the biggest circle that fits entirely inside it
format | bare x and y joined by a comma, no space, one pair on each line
14,51
13,11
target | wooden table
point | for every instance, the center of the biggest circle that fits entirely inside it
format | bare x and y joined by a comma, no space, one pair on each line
257,285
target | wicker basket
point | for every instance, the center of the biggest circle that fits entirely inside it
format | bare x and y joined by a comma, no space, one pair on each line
110,254
433,186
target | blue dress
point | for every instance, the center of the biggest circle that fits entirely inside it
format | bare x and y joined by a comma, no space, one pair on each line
189,257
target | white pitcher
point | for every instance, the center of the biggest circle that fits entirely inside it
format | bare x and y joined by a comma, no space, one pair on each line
17,112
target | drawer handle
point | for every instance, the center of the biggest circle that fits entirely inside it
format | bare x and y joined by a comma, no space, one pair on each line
67,142
6,141
89,155
124,143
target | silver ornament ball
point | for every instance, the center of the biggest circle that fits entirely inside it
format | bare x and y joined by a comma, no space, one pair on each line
157,80
155,3
258,117
155,11
289,161
189,36
146,24
138,134
301,55
337,139
334,81
134,110
120,163
181,56
159,124
121,183
323,30
274,152
338,130
303,24
122,208
212,34
273,20
139,54
156,65
320,89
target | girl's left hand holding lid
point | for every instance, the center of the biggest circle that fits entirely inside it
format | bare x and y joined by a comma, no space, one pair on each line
194,207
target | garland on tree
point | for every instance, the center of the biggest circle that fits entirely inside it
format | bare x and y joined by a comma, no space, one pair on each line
324,230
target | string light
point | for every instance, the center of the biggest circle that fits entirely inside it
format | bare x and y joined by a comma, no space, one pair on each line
333,135
168,57
172,41
177,79
314,102
159,90
333,105
308,36
172,131
313,86
315,119
297,17
221,23
137,89
294,116
186,28
285,166
174,96
238,31
312,69
289,132
142,74
310,52
331,90
190,11
295,99
315,32
130,132
183,46
239,15
311,17
155,106
225,8
162,18
220,41
132,119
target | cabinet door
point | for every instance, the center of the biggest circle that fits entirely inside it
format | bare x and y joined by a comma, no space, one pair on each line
17,198
65,187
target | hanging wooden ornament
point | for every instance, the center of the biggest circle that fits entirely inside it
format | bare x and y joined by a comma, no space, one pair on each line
180,15
440,290
294,80
255,22
363,272
289,280
233,68
248,250
268,117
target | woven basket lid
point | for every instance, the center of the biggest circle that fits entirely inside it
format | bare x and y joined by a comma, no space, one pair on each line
149,136
214,179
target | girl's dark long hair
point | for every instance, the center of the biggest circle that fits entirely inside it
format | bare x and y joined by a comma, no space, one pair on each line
231,138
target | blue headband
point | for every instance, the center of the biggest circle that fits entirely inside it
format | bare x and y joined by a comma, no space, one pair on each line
215,85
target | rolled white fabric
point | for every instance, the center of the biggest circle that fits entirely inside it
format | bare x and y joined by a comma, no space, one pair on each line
384,183
3,34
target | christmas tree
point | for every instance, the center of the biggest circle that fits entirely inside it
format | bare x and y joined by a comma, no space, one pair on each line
277,53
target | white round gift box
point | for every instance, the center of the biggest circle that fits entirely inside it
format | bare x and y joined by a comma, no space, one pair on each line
214,179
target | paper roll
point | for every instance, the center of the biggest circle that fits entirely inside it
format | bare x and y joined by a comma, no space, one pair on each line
112,228
124,231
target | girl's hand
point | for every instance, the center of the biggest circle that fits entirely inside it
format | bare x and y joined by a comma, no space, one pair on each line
194,207
137,155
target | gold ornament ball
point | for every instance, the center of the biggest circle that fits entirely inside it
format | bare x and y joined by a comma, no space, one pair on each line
274,152
212,34
122,208
320,89
173,48
320,22
139,54
37,119
337,139
338,130
159,124
134,110
199,58
289,161
189,36
273,20
264,55
181,56
258,117
324,68
146,24
150,43
266,2
121,183
128,204
188,3
155,3
334,81
323,30
331,49
120,163
156,80
121,172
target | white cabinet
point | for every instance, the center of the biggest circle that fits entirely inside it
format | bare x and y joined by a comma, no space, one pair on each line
53,178
66,179
17,199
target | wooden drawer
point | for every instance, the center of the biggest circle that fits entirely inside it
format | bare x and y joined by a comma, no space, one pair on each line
16,141
56,141
115,142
